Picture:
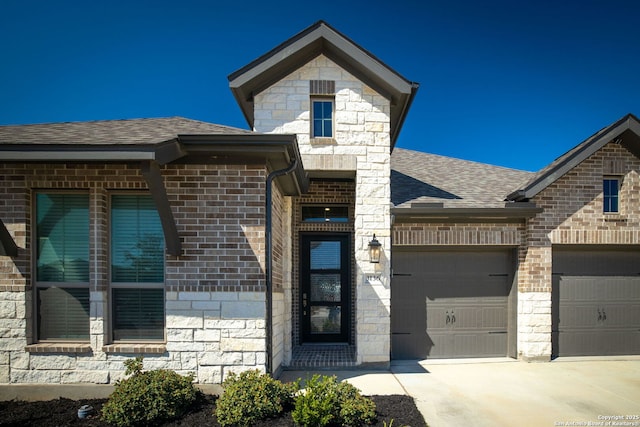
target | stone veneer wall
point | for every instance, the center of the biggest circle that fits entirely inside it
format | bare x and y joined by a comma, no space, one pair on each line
215,300
572,215
361,145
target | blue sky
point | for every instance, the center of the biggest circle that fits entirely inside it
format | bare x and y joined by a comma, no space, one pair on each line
512,83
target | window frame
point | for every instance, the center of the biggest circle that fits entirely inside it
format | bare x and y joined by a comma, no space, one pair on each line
326,218
39,285
607,198
323,99
132,285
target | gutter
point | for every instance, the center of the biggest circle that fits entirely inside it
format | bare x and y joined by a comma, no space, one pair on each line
269,263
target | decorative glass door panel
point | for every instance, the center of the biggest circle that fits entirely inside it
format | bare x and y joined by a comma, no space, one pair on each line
325,287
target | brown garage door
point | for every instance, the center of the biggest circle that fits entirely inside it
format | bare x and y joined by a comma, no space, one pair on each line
596,301
450,303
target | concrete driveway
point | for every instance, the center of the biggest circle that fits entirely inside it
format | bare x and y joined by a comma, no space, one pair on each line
504,392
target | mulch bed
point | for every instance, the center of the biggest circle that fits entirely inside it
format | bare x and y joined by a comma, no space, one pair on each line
64,412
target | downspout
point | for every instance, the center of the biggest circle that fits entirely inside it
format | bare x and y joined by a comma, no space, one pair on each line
269,263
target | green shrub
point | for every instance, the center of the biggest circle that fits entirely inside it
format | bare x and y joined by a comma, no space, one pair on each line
318,405
329,402
355,409
252,396
148,397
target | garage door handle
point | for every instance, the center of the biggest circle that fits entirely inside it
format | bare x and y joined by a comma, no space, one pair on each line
599,316
447,319
453,317
604,315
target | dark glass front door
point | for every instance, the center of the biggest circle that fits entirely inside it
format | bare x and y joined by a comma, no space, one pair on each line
325,288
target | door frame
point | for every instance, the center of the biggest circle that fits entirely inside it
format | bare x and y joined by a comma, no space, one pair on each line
345,292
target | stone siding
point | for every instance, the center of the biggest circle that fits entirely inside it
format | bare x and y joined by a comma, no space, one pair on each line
361,147
215,300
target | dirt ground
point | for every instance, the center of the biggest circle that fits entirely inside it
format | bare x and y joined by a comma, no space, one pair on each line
64,412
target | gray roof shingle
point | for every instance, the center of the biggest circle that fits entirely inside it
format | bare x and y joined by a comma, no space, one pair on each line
111,132
428,178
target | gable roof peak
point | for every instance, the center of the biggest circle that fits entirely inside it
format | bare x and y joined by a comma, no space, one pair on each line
322,39
625,131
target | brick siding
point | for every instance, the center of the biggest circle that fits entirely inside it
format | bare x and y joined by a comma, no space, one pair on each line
573,215
214,290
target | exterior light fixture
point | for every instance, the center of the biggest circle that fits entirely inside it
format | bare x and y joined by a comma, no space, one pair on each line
374,250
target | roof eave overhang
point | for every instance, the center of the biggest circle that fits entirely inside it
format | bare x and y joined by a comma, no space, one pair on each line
276,152
322,39
589,147
436,214
162,153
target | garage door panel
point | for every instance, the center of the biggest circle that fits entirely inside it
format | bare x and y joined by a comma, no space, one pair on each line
578,316
439,345
621,315
406,296
479,345
627,341
582,343
437,314
479,315
583,288
596,297
412,346
464,286
463,304
631,315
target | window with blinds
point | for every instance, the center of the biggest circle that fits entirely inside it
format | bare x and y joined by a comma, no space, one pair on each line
62,266
63,313
138,314
137,269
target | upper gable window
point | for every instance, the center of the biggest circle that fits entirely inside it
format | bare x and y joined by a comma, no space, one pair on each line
611,195
322,110
322,107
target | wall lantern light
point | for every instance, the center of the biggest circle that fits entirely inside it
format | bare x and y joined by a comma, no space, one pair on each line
374,250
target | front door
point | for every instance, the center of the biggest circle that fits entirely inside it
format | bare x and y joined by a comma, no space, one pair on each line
325,286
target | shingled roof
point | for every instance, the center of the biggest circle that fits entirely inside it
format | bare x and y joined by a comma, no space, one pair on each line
159,140
421,180
111,132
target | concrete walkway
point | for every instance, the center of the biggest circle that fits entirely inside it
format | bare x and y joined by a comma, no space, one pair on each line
505,392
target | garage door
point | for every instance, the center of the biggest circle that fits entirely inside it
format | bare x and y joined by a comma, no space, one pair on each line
450,303
596,301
